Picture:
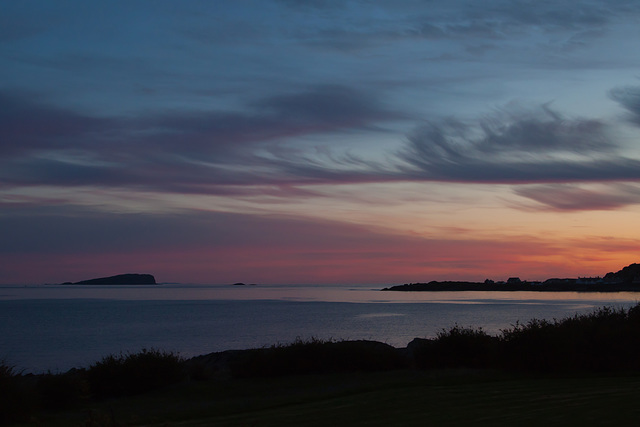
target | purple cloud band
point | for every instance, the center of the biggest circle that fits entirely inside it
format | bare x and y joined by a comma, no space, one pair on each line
224,152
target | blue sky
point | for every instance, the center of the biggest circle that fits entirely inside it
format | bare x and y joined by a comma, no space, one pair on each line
318,141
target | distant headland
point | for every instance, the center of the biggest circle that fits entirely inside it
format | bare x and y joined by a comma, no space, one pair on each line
625,280
120,279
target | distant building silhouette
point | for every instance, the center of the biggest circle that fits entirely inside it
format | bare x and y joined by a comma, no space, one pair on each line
589,280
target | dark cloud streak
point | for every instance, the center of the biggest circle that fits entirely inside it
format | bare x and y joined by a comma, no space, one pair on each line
497,21
517,146
214,152
629,98
174,151
27,125
575,198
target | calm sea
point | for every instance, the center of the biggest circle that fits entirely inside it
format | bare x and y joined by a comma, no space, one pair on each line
59,327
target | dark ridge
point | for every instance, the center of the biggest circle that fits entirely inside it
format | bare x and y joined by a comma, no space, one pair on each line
625,280
120,279
629,274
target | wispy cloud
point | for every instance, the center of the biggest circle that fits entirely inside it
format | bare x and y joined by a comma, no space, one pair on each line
629,98
571,197
177,150
516,145
212,151
26,125
556,26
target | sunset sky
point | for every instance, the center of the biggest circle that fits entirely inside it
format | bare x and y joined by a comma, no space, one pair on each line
319,141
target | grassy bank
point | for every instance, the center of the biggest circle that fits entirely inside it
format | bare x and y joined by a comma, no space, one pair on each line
443,398
576,369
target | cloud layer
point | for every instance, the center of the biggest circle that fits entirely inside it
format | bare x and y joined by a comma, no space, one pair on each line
301,126
206,151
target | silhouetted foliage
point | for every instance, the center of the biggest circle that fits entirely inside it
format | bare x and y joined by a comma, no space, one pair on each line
134,373
316,356
604,340
61,391
17,399
465,347
607,339
457,347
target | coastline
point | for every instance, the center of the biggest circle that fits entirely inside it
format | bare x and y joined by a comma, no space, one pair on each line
560,286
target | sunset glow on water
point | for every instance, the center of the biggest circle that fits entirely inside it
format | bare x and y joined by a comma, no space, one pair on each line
366,294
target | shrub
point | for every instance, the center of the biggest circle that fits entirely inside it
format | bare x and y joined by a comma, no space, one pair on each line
606,339
17,399
61,391
134,373
457,347
316,356
465,347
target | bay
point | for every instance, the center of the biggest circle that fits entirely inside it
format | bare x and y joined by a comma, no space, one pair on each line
60,327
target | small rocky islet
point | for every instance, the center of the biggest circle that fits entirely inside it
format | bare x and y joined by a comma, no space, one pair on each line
120,279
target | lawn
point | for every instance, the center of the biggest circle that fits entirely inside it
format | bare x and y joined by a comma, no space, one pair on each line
439,398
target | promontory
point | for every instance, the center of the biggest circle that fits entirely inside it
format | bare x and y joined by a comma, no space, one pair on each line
625,280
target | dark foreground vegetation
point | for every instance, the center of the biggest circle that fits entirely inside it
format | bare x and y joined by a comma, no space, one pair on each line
585,366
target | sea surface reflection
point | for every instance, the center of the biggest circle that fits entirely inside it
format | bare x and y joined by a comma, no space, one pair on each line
318,293
60,327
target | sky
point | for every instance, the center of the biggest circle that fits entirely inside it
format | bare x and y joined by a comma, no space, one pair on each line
318,141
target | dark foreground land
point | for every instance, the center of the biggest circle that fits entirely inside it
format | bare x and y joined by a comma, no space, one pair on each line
581,370
403,398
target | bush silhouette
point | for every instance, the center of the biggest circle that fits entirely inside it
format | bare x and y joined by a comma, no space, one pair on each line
17,399
61,391
134,373
458,347
316,356
606,339
465,347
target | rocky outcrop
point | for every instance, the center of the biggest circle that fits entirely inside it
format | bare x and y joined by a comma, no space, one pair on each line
120,279
628,274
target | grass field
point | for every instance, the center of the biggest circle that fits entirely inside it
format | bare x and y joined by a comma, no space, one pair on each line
438,398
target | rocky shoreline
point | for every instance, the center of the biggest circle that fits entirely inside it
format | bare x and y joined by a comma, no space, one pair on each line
625,280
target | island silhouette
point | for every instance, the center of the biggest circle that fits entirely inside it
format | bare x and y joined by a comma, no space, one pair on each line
627,279
119,279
